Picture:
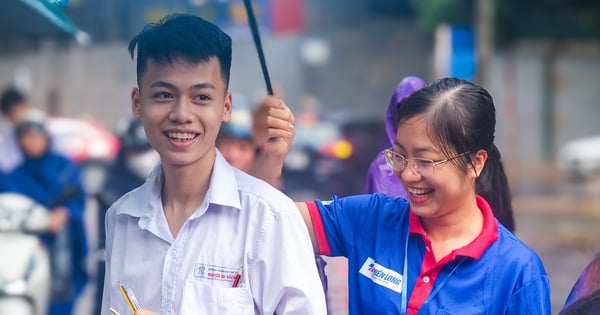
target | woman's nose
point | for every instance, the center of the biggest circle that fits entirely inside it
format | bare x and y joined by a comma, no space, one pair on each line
410,173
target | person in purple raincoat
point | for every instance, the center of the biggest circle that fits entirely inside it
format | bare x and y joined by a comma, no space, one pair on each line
380,178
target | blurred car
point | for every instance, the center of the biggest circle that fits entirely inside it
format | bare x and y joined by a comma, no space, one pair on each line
580,158
317,157
88,143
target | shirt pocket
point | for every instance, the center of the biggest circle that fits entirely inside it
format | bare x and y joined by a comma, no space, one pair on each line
201,298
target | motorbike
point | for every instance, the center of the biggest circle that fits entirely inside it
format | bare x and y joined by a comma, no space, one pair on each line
25,275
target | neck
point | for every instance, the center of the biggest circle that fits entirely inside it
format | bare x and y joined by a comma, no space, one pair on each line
184,189
455,230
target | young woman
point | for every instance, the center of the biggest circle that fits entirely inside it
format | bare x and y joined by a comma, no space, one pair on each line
442,251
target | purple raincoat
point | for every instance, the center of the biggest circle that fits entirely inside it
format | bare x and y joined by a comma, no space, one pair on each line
380,178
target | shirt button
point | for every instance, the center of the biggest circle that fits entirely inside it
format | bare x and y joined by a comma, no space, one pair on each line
427,248
426,279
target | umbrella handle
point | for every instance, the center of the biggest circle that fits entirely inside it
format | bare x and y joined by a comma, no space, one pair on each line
258,44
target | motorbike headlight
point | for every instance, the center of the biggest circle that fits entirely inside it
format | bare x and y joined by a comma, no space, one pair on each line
14,287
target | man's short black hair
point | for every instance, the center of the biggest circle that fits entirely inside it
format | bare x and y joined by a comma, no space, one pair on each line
181,36
11,97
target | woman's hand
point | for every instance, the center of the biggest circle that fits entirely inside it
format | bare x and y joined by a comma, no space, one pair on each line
273,127
273,132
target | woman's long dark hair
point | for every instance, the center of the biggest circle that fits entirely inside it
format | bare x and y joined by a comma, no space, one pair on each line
462,118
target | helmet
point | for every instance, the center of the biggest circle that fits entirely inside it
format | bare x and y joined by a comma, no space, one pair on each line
32,120
240,124
134,137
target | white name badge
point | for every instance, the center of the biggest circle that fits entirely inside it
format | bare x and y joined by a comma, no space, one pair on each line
382,275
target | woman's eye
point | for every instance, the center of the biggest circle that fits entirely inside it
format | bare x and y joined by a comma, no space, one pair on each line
399,157
424,162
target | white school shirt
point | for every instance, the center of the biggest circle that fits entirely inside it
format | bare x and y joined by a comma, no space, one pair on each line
242,223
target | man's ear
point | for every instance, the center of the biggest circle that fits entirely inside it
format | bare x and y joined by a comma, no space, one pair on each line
479,161
135,103
227,106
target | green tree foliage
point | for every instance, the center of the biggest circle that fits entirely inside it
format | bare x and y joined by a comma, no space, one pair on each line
431,13
558,19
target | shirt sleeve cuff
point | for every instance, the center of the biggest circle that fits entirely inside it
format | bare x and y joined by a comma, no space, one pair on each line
315,217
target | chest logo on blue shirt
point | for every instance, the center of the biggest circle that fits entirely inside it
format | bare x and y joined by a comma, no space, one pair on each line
381,275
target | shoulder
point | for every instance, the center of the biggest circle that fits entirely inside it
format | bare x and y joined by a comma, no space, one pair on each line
375,203
518,256
255,191
369,211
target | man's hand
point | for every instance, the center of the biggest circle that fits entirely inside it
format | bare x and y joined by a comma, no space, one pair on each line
273,132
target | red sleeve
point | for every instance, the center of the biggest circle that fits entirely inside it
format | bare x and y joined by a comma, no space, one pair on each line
317,222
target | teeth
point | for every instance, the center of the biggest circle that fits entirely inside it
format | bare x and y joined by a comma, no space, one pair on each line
417,192
181,135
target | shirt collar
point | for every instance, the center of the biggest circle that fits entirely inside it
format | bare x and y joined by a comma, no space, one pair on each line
222,190
488,235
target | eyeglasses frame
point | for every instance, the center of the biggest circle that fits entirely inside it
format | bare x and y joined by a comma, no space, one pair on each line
387,153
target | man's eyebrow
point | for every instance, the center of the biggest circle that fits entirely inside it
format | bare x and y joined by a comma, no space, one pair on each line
161,84
206,85
168,85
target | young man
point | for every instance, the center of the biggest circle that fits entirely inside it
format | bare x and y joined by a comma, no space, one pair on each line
200,237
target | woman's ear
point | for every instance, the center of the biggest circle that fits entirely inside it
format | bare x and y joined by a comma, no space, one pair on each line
478,163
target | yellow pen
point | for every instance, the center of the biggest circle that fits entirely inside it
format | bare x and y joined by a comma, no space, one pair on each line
132,308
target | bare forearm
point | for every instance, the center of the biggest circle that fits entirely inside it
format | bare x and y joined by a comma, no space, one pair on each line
268,168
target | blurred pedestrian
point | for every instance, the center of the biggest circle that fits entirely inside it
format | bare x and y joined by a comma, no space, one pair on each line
380,178
134,163
584,298
200,236
235,141
13,104
451,243
54,181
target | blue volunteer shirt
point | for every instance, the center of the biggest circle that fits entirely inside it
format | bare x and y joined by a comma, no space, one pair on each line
495,274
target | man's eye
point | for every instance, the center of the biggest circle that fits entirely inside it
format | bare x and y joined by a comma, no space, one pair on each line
202,97
163,95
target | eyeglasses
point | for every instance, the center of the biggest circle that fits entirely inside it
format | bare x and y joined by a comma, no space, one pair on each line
424,167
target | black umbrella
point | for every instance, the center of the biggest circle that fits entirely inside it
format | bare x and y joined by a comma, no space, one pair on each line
33,19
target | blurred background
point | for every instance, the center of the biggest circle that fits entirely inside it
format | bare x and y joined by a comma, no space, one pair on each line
337,63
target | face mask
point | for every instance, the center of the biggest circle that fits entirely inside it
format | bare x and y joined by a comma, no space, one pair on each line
142,164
